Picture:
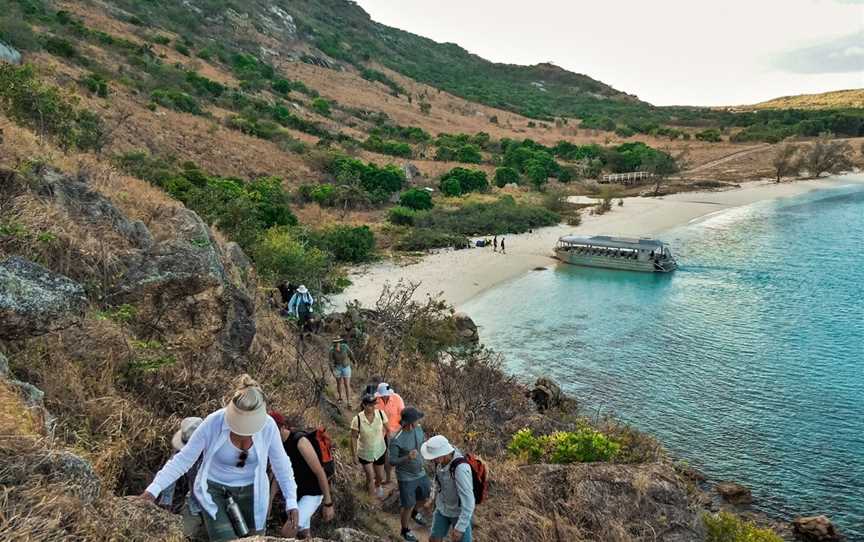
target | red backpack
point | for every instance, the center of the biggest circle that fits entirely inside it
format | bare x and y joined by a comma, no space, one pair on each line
323,446
479,475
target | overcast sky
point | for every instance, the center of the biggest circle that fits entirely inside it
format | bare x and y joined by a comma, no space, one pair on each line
668,52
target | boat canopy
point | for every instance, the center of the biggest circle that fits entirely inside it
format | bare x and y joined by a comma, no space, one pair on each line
613,242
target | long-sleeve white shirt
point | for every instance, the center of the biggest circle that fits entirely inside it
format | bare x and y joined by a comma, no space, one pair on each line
207,439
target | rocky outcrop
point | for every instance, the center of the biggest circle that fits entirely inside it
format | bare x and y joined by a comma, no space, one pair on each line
816,529
29,466
9,54
84,204
466,328
340,535
35,301
734,493
546,394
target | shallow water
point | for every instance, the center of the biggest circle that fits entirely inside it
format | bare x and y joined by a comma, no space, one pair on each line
748,362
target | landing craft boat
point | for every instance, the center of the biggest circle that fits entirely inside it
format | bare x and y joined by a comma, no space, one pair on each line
648,255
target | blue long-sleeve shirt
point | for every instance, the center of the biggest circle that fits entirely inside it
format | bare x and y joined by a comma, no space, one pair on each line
456,493
294,304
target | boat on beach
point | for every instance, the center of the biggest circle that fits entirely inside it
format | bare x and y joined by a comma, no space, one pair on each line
649,255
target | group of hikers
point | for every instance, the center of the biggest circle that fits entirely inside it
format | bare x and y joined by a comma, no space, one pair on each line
241,459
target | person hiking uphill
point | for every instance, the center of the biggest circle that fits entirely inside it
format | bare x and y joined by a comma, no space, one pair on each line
454,504
341,358
300,306
193,524
235,444
368,443
313,486
414,486
392,405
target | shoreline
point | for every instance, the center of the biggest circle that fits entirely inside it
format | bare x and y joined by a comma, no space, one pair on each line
461,275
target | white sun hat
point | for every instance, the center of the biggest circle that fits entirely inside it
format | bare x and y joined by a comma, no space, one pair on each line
384,390
435,447
246,413
302,289
182,436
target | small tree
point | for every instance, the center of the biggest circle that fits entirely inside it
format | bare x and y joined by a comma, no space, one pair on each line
505,176
662,166
827,156
537,173
416,199
425,107
321,106
785,161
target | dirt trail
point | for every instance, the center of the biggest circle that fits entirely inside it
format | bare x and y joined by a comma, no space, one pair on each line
727,158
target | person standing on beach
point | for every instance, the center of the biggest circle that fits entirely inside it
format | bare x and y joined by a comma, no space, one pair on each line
495,245
414,485
503,251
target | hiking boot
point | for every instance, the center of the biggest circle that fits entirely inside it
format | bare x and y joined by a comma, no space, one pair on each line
419,519
409,536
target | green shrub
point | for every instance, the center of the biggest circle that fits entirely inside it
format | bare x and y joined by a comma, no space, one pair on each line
348,244
280,254
18,33
324,195
726,527
500,217
581,446
401,216
60,47
379,182
424,239
321,106
29,102
506,175
177,100
394,148
182,48
446,154
417,199
469,154
374,75
712,135
96,84
460,181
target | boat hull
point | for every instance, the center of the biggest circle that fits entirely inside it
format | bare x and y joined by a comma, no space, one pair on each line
646,266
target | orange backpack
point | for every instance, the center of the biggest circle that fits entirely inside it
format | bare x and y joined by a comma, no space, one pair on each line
479,475
323,446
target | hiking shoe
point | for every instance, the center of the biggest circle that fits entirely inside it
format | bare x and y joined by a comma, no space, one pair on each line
409,536
379,492
418,517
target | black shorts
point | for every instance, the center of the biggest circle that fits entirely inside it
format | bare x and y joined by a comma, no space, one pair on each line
379,461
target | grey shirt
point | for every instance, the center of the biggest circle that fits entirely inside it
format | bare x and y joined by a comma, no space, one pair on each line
400,446
455,493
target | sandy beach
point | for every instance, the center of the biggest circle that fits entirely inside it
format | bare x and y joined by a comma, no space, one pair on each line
463,274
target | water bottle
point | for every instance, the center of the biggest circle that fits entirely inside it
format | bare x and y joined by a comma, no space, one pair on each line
236,517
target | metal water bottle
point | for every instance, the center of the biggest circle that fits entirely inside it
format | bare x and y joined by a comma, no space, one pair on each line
236,517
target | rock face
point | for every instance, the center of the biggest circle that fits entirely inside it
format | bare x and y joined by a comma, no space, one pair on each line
734,493
546,394
84,204
186,286
466,328
341,535
35,301
9,54
74,473
816,529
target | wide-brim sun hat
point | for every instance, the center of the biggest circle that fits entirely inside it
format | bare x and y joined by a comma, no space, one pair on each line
384,390
410,415
246,413
182,436
302,289
368,399
435,447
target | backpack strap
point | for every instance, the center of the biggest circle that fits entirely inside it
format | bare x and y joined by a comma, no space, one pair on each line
381,415
455,463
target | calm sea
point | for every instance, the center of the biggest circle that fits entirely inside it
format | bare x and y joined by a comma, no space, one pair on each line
748,362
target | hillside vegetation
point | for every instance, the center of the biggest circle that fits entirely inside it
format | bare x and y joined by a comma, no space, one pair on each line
838,99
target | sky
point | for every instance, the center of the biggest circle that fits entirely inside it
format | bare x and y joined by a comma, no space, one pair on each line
668,52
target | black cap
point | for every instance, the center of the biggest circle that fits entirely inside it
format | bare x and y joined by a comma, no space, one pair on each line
410,415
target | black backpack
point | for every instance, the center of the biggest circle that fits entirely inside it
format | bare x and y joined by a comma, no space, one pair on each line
323,446
304,309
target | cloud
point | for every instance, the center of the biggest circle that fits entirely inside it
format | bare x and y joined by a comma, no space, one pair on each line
840,55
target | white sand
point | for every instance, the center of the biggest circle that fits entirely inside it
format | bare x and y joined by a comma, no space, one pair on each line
462,274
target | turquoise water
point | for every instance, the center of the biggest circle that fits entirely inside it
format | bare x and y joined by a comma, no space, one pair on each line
748,362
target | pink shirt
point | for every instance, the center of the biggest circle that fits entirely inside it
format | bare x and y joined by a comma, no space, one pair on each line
393,409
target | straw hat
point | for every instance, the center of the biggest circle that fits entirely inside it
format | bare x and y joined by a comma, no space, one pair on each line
435,447
384,390
182,436
302,289
246,413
